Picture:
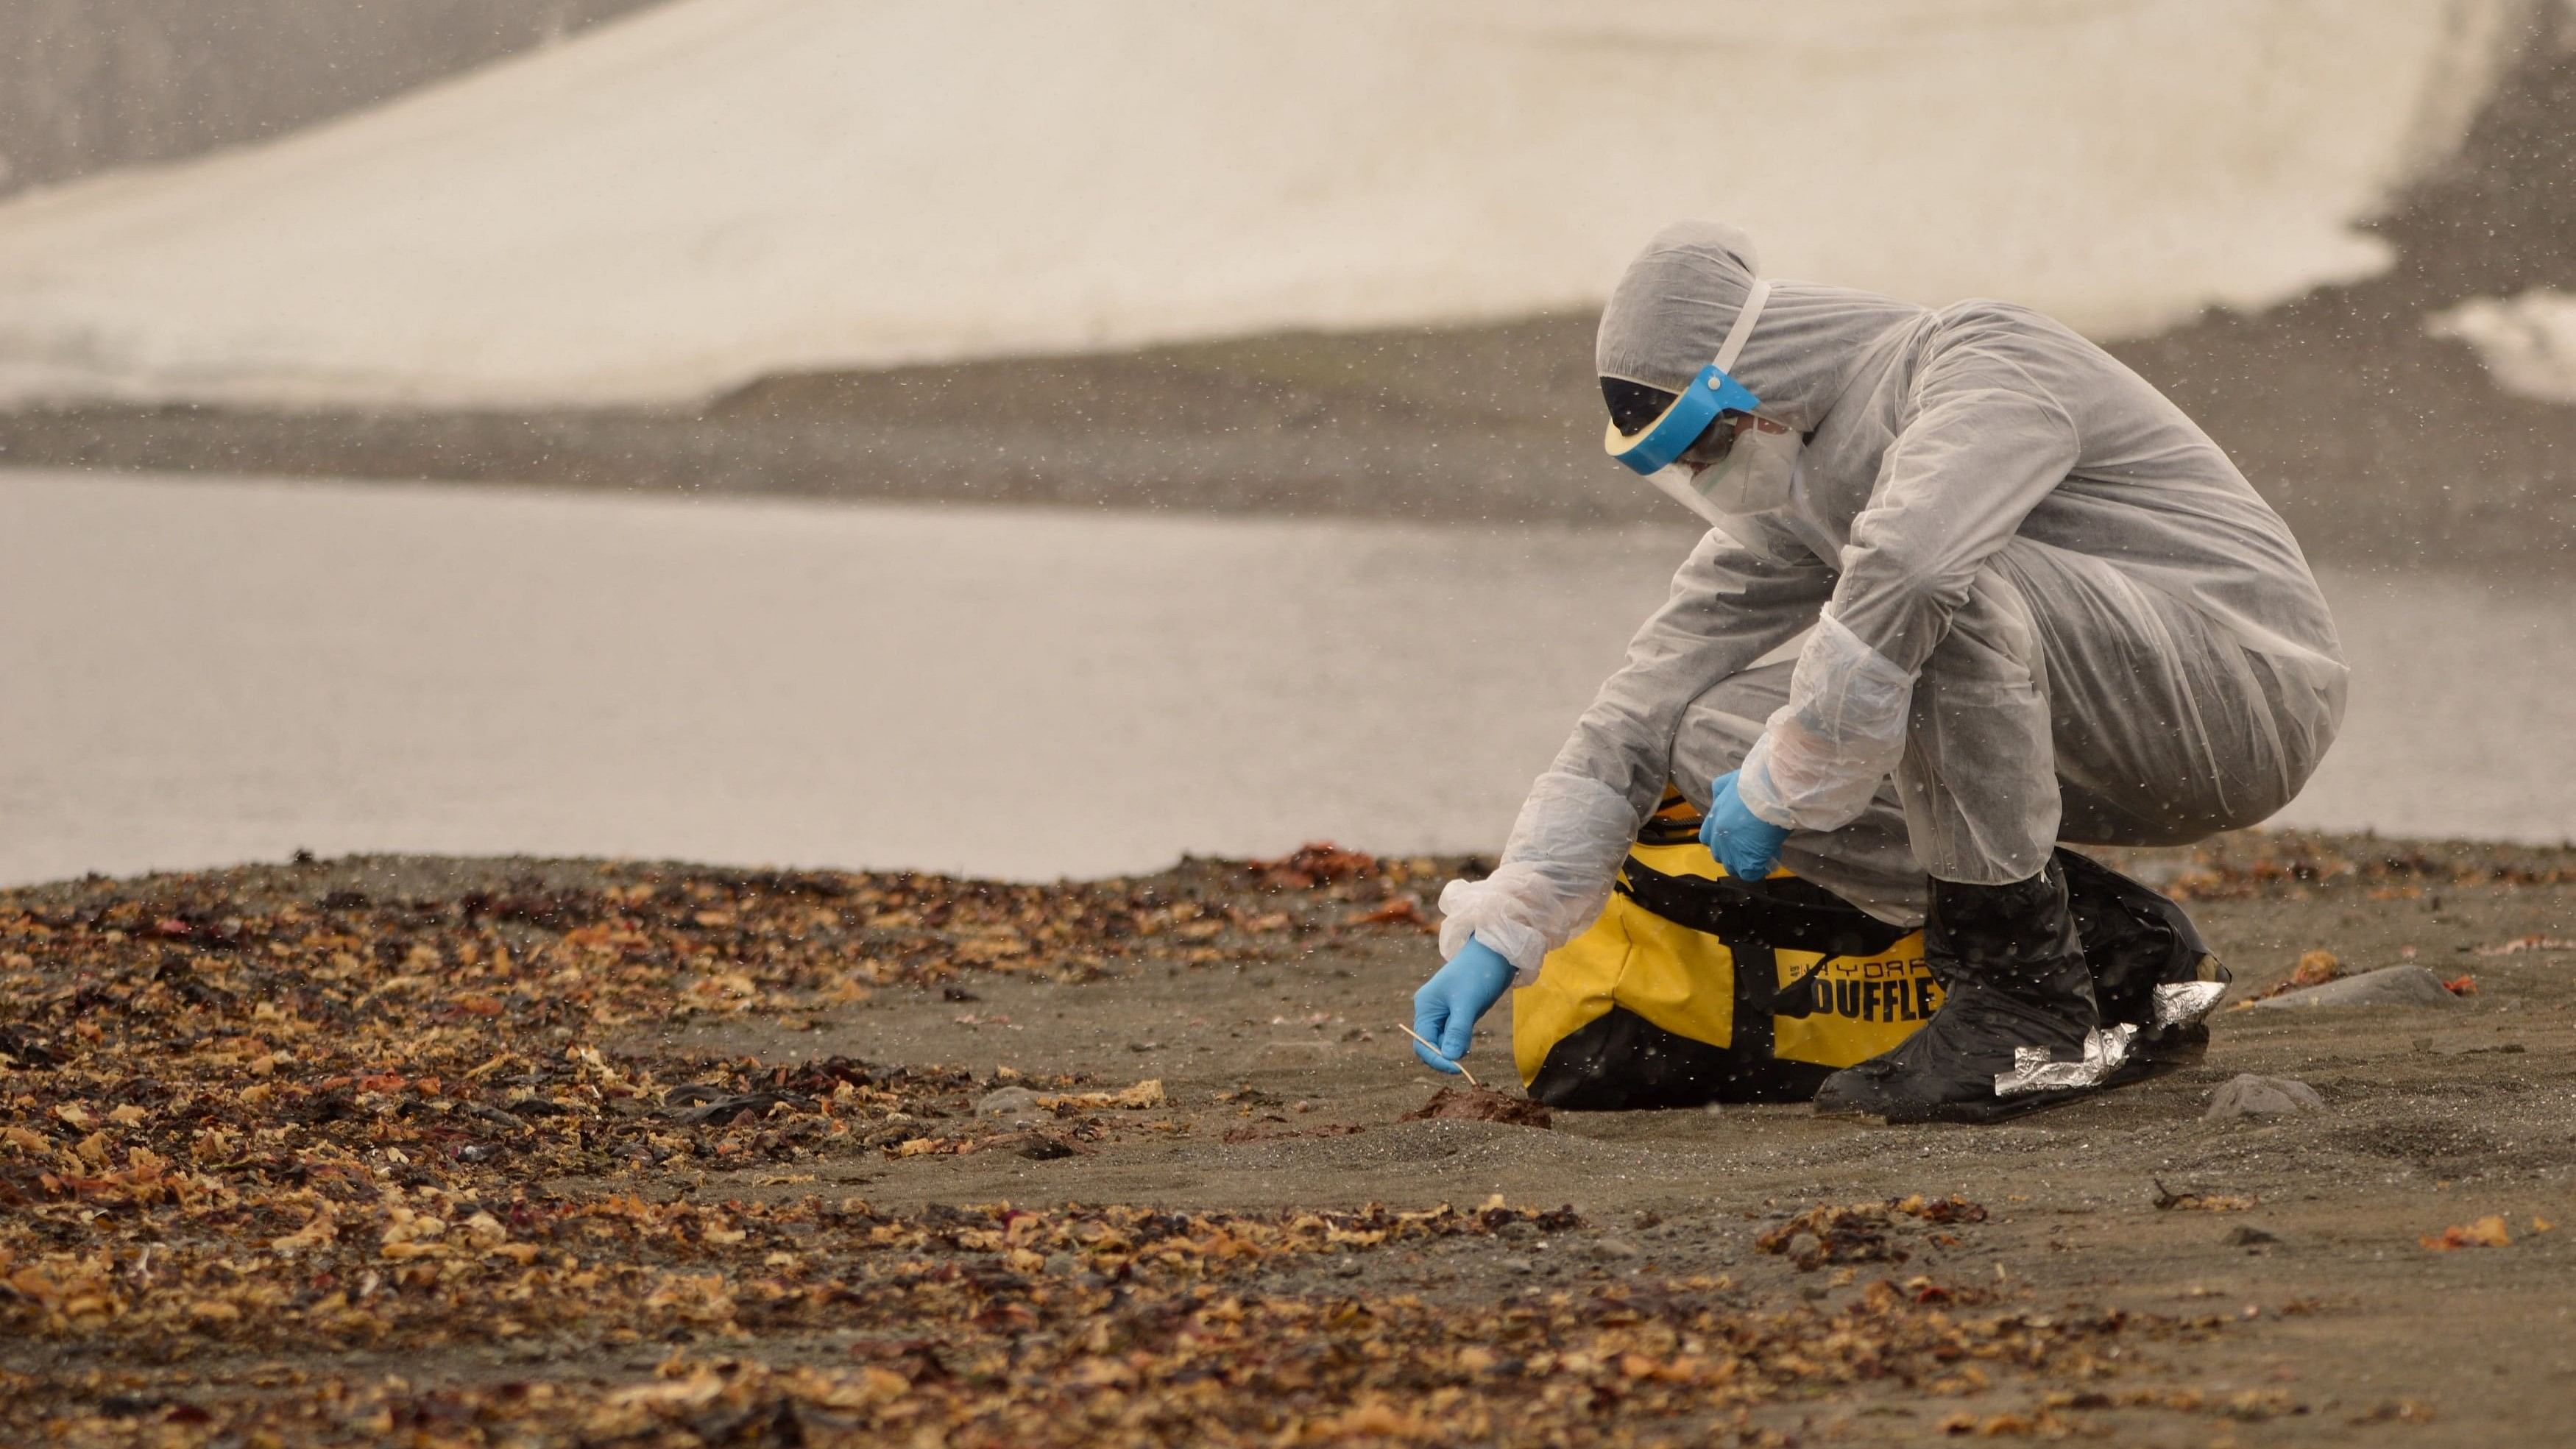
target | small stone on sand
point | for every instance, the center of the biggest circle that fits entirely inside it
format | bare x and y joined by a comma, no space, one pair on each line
1007,1102
2394,986
2248,1095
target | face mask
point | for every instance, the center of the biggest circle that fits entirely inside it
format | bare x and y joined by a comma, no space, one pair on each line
1756,475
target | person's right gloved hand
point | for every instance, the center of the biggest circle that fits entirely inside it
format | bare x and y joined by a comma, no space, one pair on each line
1745,843
1446,1008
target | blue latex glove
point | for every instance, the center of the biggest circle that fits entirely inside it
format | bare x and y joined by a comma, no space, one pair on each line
1446,1008
1745,843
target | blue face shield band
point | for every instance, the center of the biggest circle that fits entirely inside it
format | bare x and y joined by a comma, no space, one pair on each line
1714,391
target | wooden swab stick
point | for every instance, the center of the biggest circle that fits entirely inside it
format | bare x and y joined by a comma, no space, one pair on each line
1444,1056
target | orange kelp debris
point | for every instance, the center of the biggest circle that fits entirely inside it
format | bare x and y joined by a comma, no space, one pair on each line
1316,863
2205,1202
2486,1232
1859,1233
991,1324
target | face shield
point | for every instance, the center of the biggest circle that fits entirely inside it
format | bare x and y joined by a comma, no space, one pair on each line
1688,454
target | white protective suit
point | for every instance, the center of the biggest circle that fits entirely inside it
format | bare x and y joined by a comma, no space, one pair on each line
2046,607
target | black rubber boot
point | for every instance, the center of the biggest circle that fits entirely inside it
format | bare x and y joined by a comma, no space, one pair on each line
2150,966
2013,977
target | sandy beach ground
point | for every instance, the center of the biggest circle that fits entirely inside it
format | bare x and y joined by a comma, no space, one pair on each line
509,1151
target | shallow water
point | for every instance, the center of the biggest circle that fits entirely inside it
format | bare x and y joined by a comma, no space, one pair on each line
201,672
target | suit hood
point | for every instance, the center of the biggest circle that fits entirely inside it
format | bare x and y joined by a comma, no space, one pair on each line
1673,306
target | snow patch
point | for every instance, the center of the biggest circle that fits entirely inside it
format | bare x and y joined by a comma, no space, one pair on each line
2528,343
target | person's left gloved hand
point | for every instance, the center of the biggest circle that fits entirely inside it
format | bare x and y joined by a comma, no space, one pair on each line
1446,1008
1745,843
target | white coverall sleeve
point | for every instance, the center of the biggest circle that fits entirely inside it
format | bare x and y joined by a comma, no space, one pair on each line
1555,875
1984,444
1728,607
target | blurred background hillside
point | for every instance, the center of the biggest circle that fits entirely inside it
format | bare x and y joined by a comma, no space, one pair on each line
86,85
2380,439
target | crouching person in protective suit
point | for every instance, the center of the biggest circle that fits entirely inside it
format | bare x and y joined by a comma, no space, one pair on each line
2044,608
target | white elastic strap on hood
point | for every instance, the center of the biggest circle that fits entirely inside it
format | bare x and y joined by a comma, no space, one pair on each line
1742,331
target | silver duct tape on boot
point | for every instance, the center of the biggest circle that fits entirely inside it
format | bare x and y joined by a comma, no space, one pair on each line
2186,1003
2105,1048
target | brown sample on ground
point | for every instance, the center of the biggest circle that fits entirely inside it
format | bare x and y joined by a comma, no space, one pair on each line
1476,1104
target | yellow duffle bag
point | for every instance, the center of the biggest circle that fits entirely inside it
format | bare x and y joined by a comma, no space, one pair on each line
1694,987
